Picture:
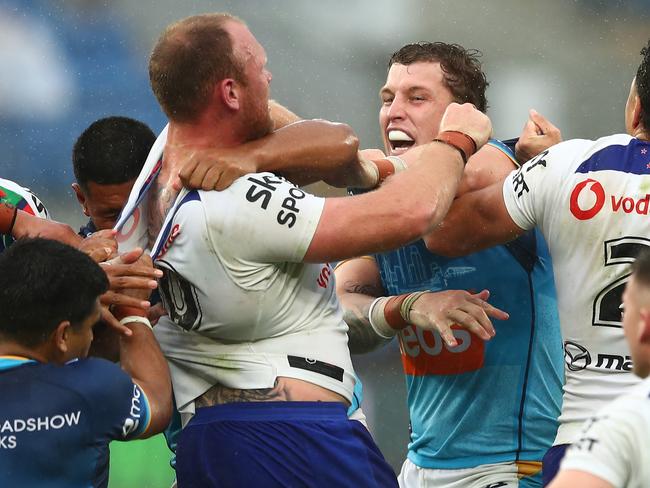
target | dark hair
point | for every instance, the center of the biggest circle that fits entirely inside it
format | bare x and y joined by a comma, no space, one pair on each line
189,57
43,283
641,267
643,86
462,71
111,150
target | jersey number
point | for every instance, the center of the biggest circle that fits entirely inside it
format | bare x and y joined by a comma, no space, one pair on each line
179,297
607,306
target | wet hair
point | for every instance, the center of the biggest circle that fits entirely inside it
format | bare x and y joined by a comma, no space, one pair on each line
43,283
111,151
643,86
190,56
461,68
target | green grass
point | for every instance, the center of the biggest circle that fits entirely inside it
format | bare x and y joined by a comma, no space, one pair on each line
141,464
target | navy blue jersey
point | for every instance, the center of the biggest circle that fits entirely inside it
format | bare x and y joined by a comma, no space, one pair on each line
56,421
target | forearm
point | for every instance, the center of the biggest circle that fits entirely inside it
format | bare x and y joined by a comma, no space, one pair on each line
142,359
408,206
362,338
309,151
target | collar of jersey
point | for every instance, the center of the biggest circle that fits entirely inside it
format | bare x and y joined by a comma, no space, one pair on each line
9,362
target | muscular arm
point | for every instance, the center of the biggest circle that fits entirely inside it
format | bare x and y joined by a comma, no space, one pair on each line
476,221
358,283
303,151
409,205
406,207
142,359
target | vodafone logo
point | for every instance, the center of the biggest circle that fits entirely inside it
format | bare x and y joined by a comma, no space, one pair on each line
587,198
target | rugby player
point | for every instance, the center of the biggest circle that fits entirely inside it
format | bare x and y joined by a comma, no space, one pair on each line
255,340
481,414
588,199
612,448
59,409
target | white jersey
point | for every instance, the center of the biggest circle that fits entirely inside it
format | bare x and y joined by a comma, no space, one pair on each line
615,444
591,201
243,308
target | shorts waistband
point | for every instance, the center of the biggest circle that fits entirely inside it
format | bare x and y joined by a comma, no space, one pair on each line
315,411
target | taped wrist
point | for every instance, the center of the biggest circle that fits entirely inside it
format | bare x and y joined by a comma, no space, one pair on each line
460,141
388,166
136,318
389,315
8,214
122,311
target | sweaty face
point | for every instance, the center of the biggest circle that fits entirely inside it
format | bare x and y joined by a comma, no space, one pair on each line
632,322
414,99
103,203
255,103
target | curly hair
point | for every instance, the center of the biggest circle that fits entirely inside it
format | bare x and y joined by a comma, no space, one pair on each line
643,86
462,70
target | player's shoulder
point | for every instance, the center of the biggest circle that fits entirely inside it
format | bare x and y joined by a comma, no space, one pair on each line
93,376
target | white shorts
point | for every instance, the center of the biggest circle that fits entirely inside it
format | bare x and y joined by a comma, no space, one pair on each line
502,475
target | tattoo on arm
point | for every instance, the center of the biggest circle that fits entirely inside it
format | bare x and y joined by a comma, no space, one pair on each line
361,336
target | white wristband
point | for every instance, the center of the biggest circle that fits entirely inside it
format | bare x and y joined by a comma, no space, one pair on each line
136,318
377,320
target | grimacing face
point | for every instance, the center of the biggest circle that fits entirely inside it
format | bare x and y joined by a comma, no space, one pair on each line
414,100
103,203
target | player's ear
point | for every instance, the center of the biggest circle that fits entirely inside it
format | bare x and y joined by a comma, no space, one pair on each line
644,326
81,198
61,336
229,92
636,112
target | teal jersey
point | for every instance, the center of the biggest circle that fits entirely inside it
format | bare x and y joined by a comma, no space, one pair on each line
482,402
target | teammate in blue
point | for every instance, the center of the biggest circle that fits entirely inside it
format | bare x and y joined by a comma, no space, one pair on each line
482,413
60,410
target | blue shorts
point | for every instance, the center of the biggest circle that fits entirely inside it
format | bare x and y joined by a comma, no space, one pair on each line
279,444
551,462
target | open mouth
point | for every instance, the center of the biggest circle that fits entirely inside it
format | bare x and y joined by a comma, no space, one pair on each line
400,141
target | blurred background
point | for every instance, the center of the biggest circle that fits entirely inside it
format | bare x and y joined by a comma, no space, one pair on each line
66,63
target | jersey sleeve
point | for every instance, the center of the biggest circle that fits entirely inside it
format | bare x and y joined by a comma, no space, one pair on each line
610,443
120,409
530,192
264,218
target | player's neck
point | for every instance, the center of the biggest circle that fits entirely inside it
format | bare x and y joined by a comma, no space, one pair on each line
10,348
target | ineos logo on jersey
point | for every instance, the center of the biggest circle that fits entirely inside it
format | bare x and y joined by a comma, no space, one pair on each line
587,213
576,356
424,352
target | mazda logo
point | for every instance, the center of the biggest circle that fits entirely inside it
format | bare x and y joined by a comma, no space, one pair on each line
576,357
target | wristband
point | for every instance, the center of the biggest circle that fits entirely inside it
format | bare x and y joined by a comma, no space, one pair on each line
136,318
121,311
8,214
389,166
388,315
459,141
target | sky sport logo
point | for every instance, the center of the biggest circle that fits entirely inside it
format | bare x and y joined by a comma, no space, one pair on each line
588,198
